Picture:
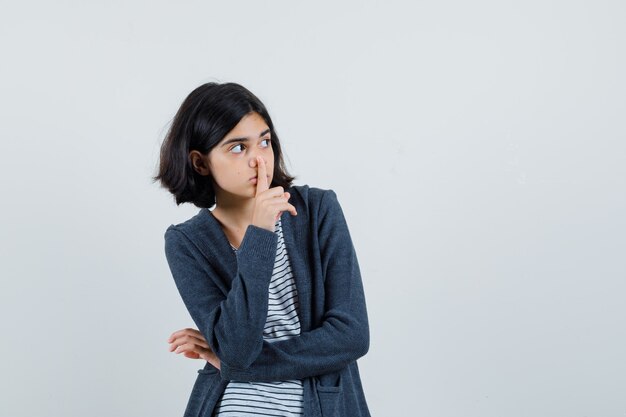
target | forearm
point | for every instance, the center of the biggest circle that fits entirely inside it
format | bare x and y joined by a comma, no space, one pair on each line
244,307
342,338
344,333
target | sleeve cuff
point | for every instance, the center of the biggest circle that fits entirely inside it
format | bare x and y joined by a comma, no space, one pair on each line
258,243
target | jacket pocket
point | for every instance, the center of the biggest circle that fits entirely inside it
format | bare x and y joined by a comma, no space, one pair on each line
329,398
200,392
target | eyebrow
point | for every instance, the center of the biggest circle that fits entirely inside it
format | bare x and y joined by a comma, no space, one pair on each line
243,139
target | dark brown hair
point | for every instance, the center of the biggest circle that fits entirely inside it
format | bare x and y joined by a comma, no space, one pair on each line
207,114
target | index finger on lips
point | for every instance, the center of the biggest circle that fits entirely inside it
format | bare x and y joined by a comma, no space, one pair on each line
261,177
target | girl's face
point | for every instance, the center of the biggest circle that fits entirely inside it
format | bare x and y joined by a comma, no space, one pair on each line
233,162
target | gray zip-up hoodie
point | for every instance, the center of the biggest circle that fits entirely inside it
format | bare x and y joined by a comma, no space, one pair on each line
226,294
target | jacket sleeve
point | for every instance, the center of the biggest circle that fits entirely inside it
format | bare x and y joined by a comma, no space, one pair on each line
233,323
343,336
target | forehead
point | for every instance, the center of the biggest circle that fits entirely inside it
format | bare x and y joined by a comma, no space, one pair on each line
250,124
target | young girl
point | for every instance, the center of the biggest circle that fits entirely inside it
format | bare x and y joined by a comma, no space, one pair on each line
269,275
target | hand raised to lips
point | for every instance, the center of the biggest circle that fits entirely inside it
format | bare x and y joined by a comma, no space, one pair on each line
269,202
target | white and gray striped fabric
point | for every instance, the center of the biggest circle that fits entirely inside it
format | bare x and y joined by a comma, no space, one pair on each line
280,398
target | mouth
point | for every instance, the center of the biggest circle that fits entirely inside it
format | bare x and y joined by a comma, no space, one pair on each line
254,179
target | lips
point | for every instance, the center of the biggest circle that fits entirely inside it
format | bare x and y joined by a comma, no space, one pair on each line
254,179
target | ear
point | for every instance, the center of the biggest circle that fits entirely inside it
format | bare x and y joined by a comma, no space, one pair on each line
200,163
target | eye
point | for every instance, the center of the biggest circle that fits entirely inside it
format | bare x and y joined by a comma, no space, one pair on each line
269,141
237,146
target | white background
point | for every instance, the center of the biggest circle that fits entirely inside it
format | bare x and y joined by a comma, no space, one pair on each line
477,149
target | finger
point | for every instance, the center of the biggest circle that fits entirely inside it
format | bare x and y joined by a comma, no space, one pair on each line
200,342
284,206
285,197
174,335
275,195
261,176
272,193
186,347
191,349
181,332
192,339
292,208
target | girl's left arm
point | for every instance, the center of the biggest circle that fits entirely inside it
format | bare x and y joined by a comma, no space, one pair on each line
343,336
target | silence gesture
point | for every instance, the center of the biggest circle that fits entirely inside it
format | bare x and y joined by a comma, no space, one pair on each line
269,202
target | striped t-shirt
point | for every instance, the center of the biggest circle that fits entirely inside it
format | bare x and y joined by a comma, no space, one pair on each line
280,398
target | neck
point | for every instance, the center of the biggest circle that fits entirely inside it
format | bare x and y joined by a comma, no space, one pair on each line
235,212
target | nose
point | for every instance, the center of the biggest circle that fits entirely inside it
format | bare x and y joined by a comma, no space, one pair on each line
252,162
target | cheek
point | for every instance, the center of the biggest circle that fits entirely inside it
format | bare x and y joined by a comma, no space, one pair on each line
218,171
226,174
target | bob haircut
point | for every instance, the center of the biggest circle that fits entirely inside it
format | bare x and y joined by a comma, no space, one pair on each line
207,114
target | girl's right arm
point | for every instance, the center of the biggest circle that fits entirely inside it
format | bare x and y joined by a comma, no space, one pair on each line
230,323
343,337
